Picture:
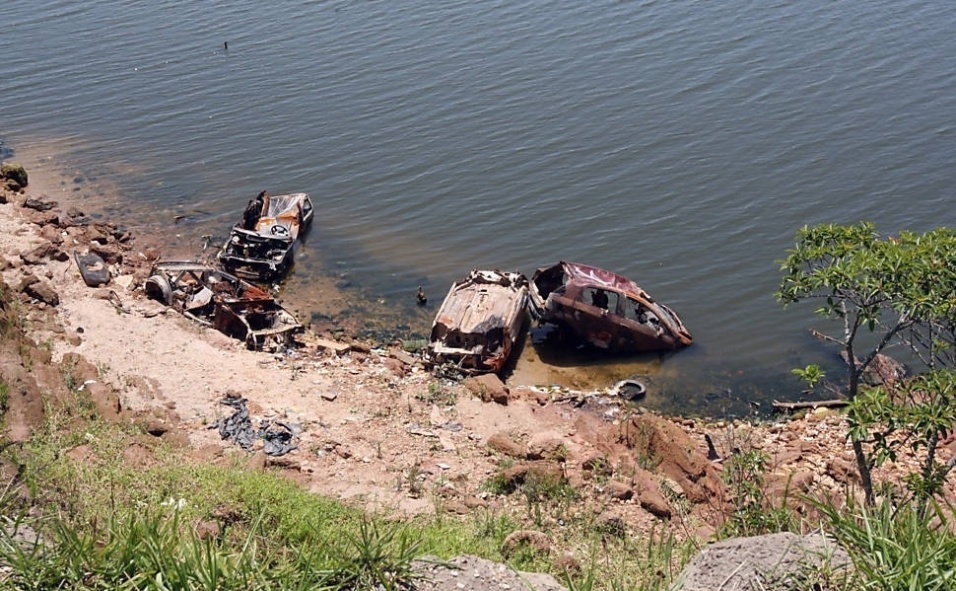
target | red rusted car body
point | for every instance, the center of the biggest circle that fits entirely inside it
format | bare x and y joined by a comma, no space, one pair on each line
604,309
218,300
479,322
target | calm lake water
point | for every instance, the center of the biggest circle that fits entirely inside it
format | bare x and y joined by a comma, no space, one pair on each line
678,143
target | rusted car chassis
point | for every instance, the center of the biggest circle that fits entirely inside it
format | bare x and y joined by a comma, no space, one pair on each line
262,245
224,302
479,322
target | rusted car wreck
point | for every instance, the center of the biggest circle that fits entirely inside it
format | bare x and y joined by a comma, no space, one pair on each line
479,322
262,245
222,301
604,309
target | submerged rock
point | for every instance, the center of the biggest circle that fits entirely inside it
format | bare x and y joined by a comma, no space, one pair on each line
14,176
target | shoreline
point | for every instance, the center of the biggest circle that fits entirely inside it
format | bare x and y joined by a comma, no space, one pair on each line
326,296
333,310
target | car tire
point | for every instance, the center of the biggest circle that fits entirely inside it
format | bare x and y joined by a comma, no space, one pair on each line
158,288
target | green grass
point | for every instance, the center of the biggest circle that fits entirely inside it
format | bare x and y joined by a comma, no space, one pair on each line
897,547
438,394
753,513
103,524
156,550
4,399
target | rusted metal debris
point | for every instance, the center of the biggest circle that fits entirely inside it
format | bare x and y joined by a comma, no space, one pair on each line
479,322
262,245
222,301
92,268
604,309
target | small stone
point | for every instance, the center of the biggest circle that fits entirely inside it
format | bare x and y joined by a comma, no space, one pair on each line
503,443
547,444
535,541
620,491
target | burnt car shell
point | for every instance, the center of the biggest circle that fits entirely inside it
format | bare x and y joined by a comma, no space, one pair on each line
265,252
222,301
605,309
479,321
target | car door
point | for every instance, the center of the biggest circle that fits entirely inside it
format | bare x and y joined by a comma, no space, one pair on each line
595,316
640,329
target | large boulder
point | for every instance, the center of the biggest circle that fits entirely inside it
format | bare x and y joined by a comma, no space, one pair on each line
667,449
774,561
471,572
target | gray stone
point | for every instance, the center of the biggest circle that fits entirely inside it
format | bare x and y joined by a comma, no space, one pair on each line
470,572
759,563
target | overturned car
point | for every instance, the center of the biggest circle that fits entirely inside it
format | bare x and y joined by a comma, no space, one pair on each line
262,245
604,309
479,322
222,301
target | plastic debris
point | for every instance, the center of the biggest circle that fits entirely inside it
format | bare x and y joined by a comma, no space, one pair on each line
277,436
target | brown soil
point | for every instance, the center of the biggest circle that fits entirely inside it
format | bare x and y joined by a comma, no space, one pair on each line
376,428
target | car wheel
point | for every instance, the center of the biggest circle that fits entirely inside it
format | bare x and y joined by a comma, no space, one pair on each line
158,288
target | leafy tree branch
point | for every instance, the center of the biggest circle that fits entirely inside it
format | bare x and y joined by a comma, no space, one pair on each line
896,291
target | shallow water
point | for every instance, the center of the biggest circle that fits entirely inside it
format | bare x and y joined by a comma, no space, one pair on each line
678,143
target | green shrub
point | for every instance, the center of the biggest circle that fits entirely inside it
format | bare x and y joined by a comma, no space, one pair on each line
754,513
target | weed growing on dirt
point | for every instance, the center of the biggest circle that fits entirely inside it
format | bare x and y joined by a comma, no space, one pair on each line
492,525
545,490
413,480
501,483
4,399
26,355
629,564
896,546
754,513
438,394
